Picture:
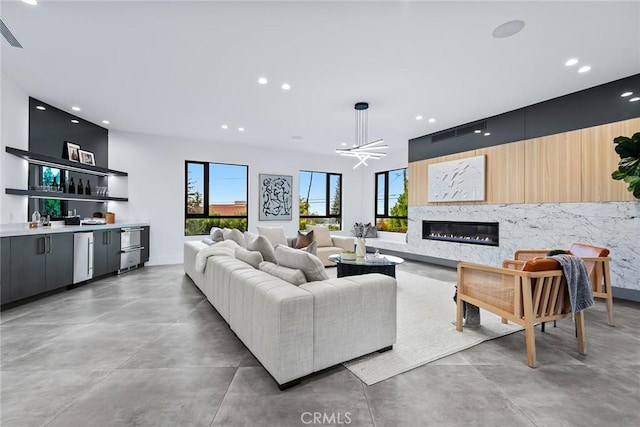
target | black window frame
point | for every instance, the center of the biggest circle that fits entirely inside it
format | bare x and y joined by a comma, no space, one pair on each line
205,199
328,197
387,208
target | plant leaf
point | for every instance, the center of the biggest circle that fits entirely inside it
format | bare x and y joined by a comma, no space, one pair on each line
628,148
630,166
617,174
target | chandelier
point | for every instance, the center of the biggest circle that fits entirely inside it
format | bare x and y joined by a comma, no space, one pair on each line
363,150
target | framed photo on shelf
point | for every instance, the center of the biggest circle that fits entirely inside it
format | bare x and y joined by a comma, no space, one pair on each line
73,151
87,158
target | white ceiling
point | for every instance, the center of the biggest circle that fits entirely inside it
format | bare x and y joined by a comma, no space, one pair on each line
185,68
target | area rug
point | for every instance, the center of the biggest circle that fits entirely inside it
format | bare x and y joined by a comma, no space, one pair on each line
425,331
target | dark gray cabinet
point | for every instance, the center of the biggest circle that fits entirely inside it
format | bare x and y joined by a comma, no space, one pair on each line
144,241
5,270
40,263
106,251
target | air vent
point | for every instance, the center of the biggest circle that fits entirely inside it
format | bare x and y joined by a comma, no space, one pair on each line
462,130
8,35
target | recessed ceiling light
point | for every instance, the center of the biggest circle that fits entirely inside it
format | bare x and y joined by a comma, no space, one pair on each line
432,120
477,131
487,133
262,81
419,117
298,137
344,144
634,99
40,107
74,108
31,2
624,95
106,122
584,69
74,121
240,129
571,62
224,127
508,29
285,86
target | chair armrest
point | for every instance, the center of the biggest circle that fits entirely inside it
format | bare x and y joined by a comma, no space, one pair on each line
513,264
344,242
527,254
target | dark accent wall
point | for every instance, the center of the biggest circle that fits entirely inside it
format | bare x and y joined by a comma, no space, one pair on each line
590,107
49,129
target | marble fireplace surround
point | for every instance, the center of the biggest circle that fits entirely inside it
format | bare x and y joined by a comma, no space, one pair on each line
615,225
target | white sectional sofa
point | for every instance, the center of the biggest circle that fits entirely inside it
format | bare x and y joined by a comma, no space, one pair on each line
297,330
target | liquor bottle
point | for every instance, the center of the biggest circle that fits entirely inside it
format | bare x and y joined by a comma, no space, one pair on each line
80,187
55,187
87,189
72,187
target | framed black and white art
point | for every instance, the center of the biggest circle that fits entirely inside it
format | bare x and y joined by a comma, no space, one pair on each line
275,197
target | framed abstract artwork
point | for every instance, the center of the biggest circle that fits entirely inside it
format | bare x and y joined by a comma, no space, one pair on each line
275,197
458,180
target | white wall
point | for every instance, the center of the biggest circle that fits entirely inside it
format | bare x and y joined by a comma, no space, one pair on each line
14,132
156,167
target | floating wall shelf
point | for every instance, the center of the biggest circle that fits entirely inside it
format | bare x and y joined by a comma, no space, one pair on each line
63,196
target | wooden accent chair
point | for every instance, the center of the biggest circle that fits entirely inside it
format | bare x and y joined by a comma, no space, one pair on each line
596,260
534,294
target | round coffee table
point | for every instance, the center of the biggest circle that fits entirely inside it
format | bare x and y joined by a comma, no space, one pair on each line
384,264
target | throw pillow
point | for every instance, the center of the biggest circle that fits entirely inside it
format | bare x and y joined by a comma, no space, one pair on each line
310,265
274,234
304,239
262,245
372,232
208,241
321,235
215,234
233,234
312,248
291,275
253,258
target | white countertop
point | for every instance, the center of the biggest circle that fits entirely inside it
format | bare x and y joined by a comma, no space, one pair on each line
22,229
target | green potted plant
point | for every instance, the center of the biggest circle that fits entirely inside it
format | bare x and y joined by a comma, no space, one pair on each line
629,166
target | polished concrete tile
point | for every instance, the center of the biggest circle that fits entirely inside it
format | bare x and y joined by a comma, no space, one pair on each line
150,397
33,398
146,348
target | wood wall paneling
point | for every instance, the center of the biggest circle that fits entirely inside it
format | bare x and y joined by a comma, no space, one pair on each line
505,172
418,182
552,168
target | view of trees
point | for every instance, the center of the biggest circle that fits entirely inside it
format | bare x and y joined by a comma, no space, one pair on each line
311,195
399,209
50,177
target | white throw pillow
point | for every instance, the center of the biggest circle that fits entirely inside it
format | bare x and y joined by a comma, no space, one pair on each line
215,234
253,258
293,276
310,265
262,245
274,234
235,235
321,235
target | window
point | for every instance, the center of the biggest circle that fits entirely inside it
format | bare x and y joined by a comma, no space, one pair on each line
320,199
392,200
51,180
215,196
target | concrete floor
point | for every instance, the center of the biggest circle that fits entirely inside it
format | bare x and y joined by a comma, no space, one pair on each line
147,349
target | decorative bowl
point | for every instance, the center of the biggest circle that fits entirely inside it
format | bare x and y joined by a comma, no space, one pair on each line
348,256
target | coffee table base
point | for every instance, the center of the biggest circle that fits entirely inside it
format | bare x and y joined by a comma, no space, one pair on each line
345,270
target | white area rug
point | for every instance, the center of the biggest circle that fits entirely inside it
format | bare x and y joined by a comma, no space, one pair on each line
425,331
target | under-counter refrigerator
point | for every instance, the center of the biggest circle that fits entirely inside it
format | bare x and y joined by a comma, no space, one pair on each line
82,257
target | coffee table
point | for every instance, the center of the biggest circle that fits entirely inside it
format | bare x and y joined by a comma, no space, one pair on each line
384,264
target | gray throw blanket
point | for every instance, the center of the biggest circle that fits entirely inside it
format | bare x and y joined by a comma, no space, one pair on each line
580,292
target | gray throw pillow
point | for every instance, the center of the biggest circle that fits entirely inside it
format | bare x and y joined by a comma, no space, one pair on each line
208,241
253,258
215,234
235,235
310,265
312,248
291,275
262,245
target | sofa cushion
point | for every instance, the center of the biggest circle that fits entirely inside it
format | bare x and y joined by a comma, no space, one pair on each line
312,248
262,245
291,275
310,265
233,234
275,235
321,235
215,234
253,258
304,239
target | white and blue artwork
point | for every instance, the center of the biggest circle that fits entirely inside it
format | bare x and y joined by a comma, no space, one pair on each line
275,197
457,180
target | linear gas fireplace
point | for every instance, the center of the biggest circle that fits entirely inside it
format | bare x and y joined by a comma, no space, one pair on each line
475,233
